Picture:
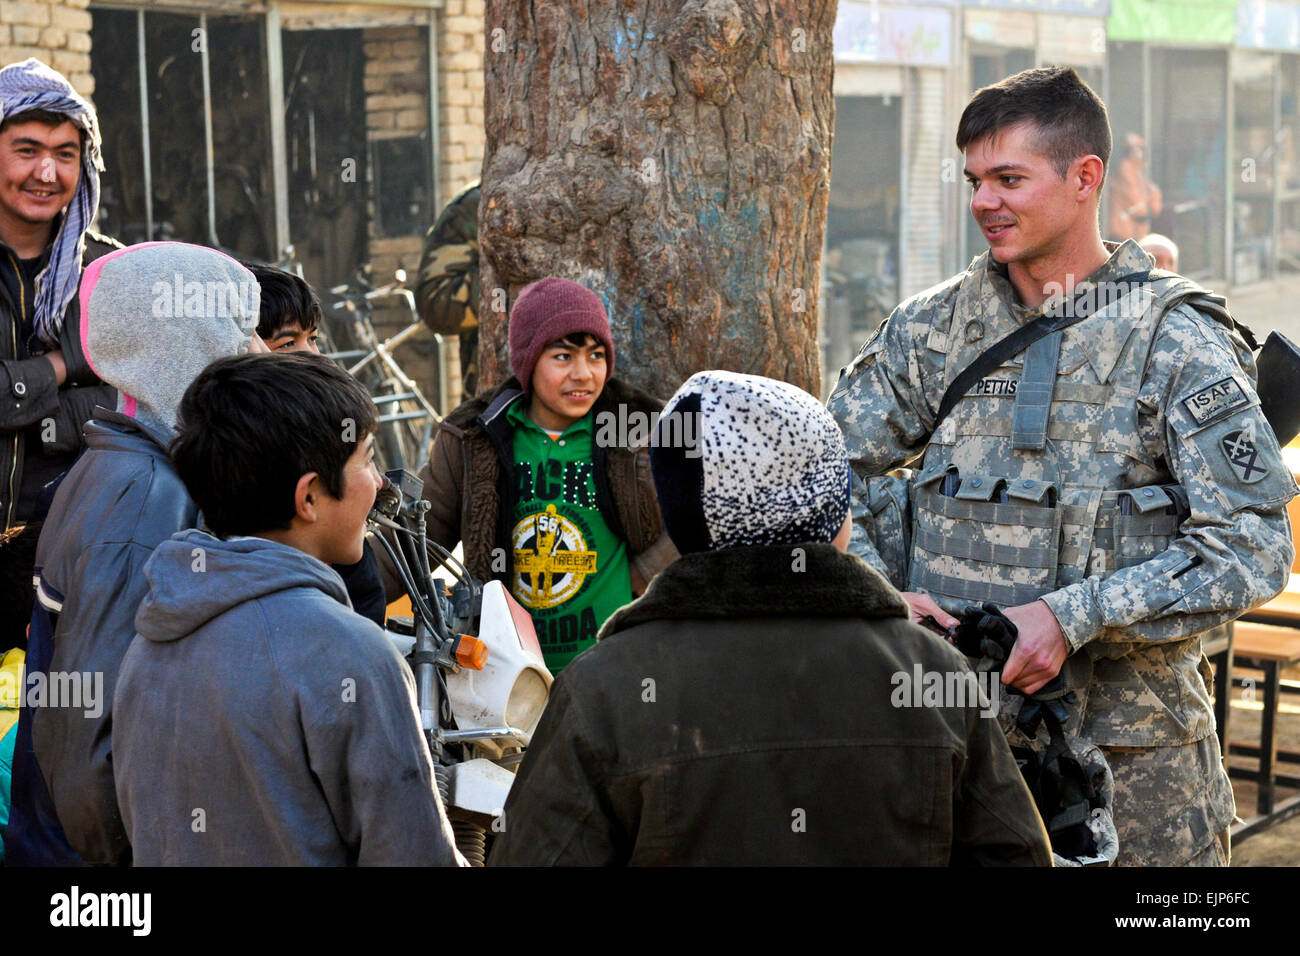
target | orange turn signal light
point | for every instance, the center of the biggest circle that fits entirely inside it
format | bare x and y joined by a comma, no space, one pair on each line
471,652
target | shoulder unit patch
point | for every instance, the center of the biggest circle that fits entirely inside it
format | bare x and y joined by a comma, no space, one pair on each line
1214,400
1242,453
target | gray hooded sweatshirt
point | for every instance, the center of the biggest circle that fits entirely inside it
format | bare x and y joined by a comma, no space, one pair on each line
260,721
150,318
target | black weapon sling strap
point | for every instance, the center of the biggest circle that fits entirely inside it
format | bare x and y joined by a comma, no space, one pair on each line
1018,341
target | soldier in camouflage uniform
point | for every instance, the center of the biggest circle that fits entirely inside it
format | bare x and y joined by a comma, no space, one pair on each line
1115,486
447,295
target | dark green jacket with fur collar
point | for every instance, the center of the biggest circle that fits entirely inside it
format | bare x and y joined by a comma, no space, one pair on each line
741,712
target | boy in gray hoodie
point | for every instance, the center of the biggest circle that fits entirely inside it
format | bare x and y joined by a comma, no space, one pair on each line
151,317
290,725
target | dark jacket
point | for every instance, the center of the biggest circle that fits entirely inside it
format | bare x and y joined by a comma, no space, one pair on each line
40,421
469,483
740,712
119,501
253,692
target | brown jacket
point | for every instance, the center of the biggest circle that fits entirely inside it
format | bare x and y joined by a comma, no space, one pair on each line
742,712
471,496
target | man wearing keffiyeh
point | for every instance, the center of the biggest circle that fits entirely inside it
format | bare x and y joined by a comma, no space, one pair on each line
49,193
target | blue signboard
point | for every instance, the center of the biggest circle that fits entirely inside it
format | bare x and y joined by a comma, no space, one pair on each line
877,33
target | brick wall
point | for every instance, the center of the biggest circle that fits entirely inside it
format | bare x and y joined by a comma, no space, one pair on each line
397,105
460,61
56,32
396,85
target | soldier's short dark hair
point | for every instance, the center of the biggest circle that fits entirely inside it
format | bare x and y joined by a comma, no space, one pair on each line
1070,118
251,425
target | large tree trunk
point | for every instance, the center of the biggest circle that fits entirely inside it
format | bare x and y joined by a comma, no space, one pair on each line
672,155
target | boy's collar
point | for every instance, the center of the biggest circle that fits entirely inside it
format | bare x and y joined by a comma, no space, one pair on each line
518,413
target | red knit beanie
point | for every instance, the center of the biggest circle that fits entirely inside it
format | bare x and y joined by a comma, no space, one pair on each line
551,309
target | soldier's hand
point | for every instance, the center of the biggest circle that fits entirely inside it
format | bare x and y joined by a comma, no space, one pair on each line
1040,647
922,604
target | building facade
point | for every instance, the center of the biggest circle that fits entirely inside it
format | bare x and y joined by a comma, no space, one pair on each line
258,125
254,125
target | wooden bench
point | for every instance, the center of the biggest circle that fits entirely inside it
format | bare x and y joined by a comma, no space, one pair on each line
1283,609
1269,648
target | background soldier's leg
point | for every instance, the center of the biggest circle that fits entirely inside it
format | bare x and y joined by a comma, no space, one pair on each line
469,362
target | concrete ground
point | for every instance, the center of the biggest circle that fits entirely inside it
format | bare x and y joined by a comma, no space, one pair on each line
1279,845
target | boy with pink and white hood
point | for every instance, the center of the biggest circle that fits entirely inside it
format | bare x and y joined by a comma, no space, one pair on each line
152,316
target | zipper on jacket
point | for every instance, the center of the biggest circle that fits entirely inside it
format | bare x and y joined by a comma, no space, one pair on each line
13,467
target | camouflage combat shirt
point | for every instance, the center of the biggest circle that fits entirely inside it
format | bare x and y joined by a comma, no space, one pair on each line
1137,406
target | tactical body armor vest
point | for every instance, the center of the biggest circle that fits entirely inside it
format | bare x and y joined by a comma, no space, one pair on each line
1040,477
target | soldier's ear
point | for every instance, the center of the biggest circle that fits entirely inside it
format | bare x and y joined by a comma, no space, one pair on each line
1087,174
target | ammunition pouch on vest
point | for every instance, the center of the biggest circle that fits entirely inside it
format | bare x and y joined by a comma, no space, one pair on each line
1014,529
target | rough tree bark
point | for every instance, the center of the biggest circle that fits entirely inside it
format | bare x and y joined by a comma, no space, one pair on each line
672,155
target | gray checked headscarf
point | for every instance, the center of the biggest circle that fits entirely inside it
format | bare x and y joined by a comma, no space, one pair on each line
31,85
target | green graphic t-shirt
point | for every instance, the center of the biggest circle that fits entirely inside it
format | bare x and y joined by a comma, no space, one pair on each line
570,571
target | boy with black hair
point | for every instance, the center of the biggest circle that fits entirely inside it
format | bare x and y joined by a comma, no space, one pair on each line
289,312
288,319
294,718
523,476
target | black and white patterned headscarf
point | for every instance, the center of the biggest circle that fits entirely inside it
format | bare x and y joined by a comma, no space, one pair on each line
31,85
743,460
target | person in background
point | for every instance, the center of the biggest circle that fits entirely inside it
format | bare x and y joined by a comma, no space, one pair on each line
289,319
1135,201
447,292
49,193
1161,248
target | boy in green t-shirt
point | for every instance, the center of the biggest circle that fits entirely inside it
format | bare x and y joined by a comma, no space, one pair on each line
539,482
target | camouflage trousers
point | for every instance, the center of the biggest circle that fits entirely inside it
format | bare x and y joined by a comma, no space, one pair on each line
1173,805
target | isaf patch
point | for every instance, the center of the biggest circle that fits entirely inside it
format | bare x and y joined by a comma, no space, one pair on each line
1214,400
1242,452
